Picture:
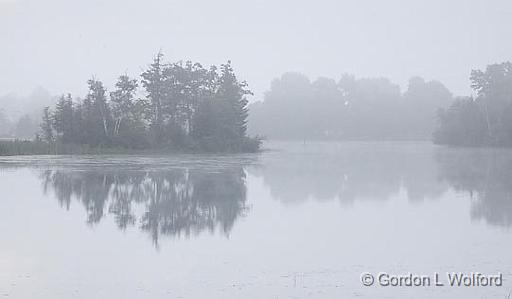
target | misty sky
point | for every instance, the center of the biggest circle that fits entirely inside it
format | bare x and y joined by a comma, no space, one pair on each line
59,44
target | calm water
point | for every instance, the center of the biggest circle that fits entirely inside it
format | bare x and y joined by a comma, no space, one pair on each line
299,221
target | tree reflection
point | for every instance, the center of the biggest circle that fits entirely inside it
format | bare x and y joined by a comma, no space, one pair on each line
182,200
360,171
172,202
486,175
351,172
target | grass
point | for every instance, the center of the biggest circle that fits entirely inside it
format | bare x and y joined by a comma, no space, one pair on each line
23,147
30,147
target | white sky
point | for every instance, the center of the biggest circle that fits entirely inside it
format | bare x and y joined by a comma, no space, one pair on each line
59,44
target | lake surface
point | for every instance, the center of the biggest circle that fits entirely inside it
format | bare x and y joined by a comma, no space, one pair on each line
296,221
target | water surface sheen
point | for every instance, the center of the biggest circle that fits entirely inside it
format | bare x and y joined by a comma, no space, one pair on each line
296,221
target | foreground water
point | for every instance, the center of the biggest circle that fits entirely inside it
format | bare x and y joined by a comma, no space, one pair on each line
297,221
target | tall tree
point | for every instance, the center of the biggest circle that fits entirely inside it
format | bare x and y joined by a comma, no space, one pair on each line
486,119
63,118
494,90
153,80
47,126
98,116
221,120
234,94
122,101
78,123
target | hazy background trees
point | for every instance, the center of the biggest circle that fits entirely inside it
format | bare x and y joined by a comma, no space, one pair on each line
349,108
5,123
20,115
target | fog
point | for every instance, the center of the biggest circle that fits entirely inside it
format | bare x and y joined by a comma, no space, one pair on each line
255,149
348,108
60,44
297,221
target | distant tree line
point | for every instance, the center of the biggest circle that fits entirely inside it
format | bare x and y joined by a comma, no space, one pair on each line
483,120
184,106
5,124
23,128
20,114
349,108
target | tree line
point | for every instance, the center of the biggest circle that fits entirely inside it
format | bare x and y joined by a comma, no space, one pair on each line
184,106
375,109
484,119
188,107
349,108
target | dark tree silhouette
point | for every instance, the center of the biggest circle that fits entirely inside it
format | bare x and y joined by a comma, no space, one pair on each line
186,107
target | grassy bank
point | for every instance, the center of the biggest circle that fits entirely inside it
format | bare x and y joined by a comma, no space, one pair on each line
29,147
23,147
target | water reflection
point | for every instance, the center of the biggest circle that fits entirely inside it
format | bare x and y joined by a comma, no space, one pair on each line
486,176
172,202
184,198
368,171
352,172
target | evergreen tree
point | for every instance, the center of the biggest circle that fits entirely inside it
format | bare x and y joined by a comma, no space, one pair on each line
47,126
63,118
153,81
221,120
233,93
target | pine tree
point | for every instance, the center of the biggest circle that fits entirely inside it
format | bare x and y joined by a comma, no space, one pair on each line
220,123
46,126
153,81
233,93
63,118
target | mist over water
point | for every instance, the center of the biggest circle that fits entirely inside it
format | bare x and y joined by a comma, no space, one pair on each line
255,149
297,220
